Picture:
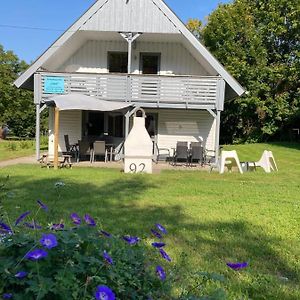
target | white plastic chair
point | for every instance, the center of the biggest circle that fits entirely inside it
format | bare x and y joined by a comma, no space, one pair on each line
229,159
267,162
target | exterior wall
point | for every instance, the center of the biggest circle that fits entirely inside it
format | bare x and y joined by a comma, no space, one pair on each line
92,58
185,125
69,123
133,15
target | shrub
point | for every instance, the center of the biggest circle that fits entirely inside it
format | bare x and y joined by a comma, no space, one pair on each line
11,146
26,144
80,260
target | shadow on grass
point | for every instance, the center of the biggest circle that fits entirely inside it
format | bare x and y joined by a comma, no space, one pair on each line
119,206
291,145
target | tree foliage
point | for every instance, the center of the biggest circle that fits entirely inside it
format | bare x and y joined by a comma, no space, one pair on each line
16,105
258,41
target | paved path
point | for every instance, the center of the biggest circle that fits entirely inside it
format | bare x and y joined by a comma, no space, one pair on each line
21,160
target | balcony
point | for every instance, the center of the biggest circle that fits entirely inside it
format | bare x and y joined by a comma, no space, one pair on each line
153,91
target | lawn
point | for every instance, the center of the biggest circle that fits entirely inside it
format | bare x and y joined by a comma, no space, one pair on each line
211,218
10,149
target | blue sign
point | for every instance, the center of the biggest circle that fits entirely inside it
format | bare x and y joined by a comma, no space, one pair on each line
54,85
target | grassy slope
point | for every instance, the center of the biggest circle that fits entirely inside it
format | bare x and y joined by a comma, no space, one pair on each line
212,218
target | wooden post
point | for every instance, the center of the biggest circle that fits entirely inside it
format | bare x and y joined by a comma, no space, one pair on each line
56,136
217,137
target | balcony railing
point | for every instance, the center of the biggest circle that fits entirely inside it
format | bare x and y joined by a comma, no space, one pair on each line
145,90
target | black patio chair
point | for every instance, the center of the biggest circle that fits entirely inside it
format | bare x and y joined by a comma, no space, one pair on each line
196,153
84,150
71,149
181,153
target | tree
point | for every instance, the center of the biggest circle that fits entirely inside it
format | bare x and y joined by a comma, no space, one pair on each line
16,105
258,41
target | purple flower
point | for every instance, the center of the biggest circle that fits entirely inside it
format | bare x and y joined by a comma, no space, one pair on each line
75,218
4,228
161,272
131,240
89,220
22,217
103,292
156,234
32,225
7,296
48,241
105,233
158,245
164,254
237,266
21,274
36,254
42,205
59,226
161,228
107,257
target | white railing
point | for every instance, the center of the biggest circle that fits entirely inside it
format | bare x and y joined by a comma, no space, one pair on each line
146,90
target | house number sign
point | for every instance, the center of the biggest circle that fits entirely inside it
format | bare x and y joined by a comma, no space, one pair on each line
54,85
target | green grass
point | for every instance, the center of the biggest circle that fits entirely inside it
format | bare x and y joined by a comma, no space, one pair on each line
10,149
213,218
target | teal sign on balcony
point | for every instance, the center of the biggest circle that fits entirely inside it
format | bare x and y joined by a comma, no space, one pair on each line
54,85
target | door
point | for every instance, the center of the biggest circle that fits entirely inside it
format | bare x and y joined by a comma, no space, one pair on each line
150,63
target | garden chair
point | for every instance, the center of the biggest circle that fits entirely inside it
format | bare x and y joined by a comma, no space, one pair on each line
161,153
229,159
83,150
99,149
196,153
70,149
181,152
267,162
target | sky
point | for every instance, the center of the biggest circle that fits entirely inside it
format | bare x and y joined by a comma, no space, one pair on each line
28,44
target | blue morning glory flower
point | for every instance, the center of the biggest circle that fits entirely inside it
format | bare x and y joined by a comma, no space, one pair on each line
48,241
89,220
75,218
22,217
32,225
161,228
156,234
161,272
7,296
103,292
4,228
105,233
36,254
59,226
107,257
158,244
237,266
42,205
164,254
131,240
21,274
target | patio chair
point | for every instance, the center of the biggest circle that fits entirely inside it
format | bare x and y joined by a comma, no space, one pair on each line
196,153
70,149
181,152
267,162
84,150
161,153
99,149
229,159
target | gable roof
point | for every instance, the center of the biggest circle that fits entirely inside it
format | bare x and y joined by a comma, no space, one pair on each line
165,21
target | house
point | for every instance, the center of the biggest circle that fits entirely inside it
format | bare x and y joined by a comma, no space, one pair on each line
139,53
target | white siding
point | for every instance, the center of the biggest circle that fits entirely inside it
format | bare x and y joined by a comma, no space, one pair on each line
185,125
69,123
92,57
130,15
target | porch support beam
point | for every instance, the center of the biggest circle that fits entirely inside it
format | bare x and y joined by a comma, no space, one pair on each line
37,101
56,137
130,37
214,115
217,137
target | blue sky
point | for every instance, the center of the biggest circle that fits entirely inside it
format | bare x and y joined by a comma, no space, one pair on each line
60,14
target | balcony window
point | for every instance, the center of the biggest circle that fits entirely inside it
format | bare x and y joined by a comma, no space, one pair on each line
150,63
117,62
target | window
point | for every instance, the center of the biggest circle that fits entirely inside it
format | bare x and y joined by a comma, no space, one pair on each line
117,62
150,63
